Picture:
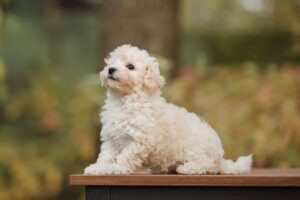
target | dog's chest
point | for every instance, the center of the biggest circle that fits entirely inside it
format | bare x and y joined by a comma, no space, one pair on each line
125,123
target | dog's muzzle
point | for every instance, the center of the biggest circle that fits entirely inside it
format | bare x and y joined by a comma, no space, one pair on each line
111,77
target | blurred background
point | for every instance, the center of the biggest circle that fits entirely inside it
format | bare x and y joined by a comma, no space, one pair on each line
234,62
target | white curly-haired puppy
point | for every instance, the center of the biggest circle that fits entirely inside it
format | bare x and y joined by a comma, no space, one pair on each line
139,128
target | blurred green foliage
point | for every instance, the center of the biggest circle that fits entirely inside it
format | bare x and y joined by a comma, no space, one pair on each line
235,73
47,132
231,32
262,47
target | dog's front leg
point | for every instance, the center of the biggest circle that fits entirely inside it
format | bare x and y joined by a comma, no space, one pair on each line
104,162
129,159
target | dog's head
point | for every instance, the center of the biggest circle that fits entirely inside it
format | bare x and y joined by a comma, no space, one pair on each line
129,69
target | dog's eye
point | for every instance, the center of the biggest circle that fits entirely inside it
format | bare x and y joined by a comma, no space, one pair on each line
130,67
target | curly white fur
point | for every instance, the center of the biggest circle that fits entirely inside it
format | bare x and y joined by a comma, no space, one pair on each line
139,128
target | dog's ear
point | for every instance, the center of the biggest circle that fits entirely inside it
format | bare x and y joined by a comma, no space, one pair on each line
153,80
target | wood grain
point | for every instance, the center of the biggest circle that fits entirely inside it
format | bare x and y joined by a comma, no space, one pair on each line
258,177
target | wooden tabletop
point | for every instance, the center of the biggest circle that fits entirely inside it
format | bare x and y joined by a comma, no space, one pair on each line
258,177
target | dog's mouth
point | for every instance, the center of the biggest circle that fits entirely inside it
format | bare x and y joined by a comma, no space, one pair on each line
113,78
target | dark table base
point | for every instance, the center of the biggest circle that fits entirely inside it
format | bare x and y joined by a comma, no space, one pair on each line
191,193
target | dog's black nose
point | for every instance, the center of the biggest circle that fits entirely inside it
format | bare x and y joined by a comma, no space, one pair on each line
111,70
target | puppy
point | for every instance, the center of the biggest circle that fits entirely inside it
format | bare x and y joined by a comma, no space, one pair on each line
139,128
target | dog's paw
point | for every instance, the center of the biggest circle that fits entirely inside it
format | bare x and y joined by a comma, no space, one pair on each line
189,169
100,169
92,169
114,169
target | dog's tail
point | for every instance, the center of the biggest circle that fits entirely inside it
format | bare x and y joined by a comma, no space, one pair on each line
241,166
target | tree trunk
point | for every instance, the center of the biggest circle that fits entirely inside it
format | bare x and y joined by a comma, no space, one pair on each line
148,24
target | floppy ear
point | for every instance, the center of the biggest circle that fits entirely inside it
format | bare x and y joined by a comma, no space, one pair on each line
153,80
